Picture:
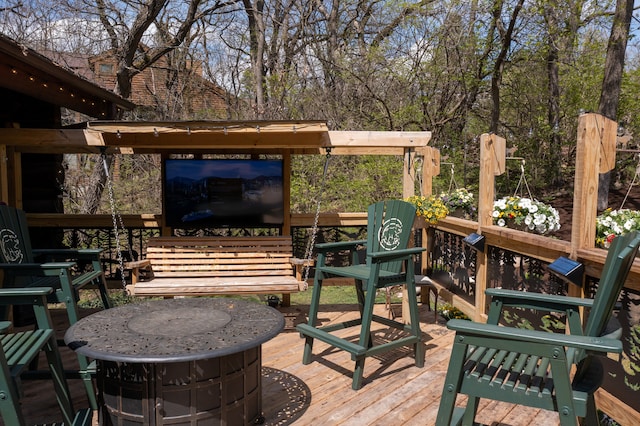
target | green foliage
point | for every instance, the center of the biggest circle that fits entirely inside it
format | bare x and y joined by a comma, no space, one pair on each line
431,207
352,183
90,299
134,179
631,359
460,200
448,311
336,295
612,223
527,214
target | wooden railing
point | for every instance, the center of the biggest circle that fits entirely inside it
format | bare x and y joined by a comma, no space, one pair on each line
615,397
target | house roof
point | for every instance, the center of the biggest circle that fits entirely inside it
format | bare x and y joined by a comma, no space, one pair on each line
158,86
26,71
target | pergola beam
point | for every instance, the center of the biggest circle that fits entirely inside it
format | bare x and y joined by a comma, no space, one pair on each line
300,137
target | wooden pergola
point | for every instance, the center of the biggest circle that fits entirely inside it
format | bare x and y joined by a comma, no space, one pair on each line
285,138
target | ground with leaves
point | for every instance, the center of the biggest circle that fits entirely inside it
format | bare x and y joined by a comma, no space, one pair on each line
564,203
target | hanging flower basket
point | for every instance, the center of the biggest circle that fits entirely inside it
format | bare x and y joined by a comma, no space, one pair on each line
526,214
430,208
611,223
460,203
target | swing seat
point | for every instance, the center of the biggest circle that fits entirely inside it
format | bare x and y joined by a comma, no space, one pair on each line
65,270
205,266
388,262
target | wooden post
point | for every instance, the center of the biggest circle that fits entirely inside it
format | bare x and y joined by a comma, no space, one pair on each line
492,163
595,153
286,160
430,168
15,178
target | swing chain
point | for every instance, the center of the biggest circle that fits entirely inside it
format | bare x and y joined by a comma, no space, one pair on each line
522,181
116,218
314,230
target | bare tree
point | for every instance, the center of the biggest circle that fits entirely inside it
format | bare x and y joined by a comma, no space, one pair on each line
614,65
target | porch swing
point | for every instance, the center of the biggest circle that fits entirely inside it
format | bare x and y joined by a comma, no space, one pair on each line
203,266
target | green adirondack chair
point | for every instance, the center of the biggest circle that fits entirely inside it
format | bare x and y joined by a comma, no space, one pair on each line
19,349
535,368
64,270
389,262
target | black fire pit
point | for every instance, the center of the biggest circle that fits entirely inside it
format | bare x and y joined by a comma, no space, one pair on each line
178,361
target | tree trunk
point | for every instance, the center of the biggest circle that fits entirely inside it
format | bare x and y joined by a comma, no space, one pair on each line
98,178
613,68
506,35
256,51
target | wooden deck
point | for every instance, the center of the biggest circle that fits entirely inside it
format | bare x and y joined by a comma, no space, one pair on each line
395,391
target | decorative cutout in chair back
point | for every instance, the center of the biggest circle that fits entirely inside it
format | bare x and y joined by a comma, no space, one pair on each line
15,243
10,247
389,228
389,234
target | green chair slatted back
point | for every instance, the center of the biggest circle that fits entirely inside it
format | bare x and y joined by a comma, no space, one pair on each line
388,262
19,349
65,270
534,368
620,257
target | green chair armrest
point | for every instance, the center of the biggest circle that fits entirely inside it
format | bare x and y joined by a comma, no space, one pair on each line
39,269
535,300
25,291
525,336
388,256
4,326
340,245
25,296
501,298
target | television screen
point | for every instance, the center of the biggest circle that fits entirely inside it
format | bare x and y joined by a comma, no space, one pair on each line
222,192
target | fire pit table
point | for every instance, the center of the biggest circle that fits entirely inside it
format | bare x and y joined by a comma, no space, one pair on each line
178,361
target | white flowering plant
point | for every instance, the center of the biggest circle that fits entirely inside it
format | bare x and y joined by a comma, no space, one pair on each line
460,200
526,214
612,223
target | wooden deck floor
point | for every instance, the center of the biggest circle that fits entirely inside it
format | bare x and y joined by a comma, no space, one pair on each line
395,391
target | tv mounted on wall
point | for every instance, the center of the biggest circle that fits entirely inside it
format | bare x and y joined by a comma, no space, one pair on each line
212,193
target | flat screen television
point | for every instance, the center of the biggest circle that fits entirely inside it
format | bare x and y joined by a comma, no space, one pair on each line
212,193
